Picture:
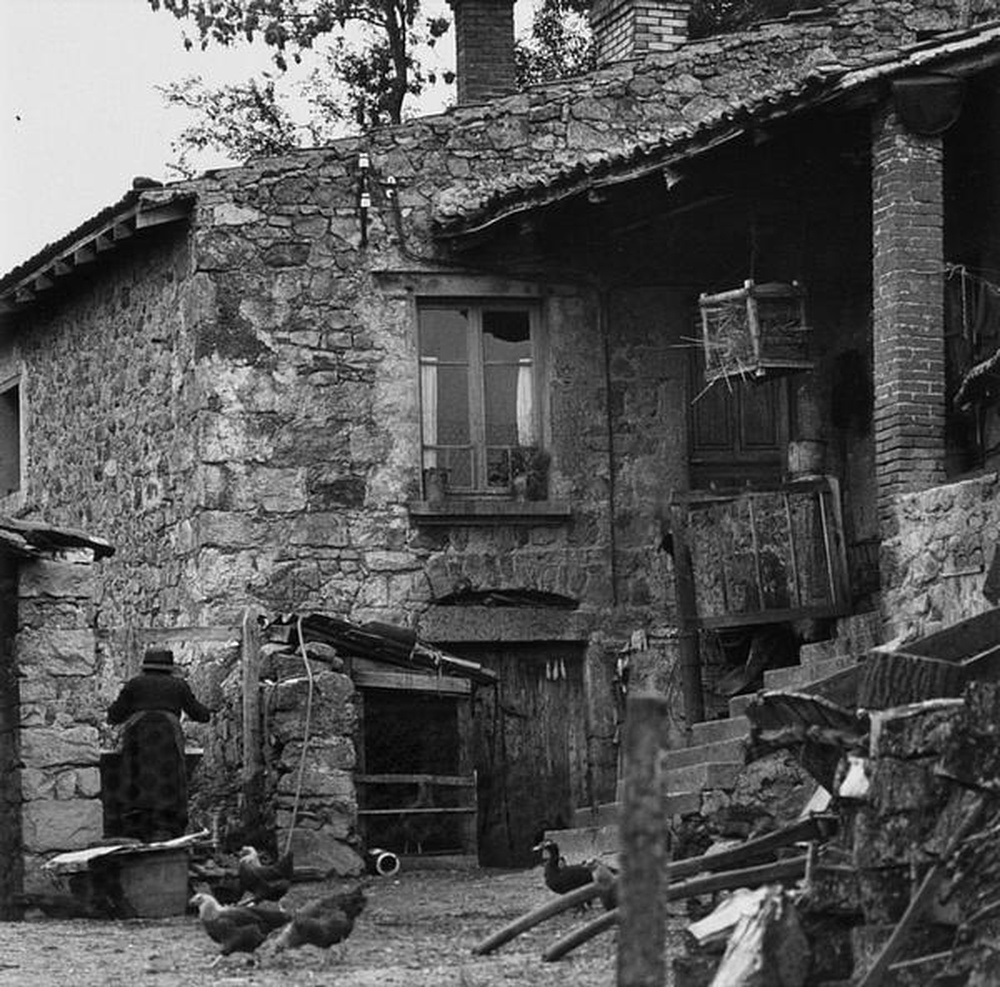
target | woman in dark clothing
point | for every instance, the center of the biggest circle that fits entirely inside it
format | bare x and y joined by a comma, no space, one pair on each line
152,775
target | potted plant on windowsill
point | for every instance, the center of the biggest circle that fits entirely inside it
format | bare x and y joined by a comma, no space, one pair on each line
529,473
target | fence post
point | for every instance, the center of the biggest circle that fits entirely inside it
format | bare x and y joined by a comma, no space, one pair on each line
643,835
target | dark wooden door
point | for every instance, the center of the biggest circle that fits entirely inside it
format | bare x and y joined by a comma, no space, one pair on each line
738,430
530,747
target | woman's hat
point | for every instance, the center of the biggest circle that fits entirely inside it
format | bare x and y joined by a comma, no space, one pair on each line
158,660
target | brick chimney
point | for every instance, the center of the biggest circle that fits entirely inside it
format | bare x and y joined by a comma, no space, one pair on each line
484,49
632,28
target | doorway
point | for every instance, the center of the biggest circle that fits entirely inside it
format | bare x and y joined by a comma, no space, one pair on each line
530,744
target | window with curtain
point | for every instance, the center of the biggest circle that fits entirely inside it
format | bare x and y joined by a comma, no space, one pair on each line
478,393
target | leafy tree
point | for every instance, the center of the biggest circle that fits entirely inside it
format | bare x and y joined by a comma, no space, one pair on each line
376,74
558,46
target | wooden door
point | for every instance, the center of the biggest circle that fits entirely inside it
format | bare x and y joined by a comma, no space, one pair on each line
738,430
530,742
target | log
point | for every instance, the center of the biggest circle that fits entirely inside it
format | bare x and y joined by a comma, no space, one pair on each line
782,870
922,899
581,934
578,896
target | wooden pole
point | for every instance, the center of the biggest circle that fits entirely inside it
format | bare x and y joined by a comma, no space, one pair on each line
643,838
251,775
529,920
792,869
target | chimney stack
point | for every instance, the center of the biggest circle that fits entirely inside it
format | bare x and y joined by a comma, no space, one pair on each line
626,29
484,49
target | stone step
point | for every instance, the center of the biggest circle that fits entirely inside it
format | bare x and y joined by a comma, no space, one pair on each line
732,749
698,777
738,705
798,676
712,731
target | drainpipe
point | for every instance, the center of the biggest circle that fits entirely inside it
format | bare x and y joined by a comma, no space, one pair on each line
603,327
688,638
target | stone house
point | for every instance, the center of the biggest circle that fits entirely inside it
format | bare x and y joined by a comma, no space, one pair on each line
451,376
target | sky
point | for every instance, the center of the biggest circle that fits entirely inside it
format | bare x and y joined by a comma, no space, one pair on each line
79,113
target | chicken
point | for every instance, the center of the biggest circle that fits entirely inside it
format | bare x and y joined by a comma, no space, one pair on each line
418,826
607,882
324,922
561,877
237,928
260,881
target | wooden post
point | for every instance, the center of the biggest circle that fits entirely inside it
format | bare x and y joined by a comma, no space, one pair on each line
687,620
252,755
643,837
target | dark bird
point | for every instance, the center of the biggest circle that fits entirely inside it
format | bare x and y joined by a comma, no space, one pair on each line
264,882
237,928
561,877
417,825
324,922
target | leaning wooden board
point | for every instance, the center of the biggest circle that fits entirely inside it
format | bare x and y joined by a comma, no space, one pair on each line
934,667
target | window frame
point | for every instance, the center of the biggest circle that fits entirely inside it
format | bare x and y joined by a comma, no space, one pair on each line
477,365
12,436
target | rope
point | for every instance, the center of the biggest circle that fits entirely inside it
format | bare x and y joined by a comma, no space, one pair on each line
305,736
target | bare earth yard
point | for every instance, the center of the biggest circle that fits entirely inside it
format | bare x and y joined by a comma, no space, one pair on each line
417,931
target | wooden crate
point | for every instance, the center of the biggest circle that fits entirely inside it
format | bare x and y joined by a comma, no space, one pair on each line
762,555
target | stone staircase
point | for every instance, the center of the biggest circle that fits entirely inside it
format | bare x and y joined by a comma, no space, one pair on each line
705,774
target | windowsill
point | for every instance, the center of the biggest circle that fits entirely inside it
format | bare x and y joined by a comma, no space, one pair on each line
471,510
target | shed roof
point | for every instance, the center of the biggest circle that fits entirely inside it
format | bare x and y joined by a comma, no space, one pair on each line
29,539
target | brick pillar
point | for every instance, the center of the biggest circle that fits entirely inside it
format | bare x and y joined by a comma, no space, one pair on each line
633,28
484,49
908,287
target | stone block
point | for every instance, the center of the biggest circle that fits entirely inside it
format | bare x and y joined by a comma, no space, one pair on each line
322,850
47,578
318,780
59,652
56,825
46,747
331,752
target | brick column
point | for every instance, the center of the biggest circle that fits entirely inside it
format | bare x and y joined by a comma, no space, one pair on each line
484,49
908,288
632,28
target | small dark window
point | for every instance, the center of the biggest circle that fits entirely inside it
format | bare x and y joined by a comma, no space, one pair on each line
10,439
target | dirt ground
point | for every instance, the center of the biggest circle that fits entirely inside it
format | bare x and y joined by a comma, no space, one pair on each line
418,930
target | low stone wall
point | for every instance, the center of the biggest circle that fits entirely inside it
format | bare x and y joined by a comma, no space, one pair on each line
56,653
934,566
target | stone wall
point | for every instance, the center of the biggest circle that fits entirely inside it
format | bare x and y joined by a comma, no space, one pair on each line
56,656
934,567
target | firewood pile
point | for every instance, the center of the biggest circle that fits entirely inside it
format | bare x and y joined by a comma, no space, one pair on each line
906,890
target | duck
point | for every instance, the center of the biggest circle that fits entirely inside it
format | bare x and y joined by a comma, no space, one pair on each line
559,876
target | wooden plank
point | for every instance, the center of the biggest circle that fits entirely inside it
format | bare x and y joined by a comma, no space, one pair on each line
895,678
819,827
404,810
195,635
452,781
961,640
411,682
